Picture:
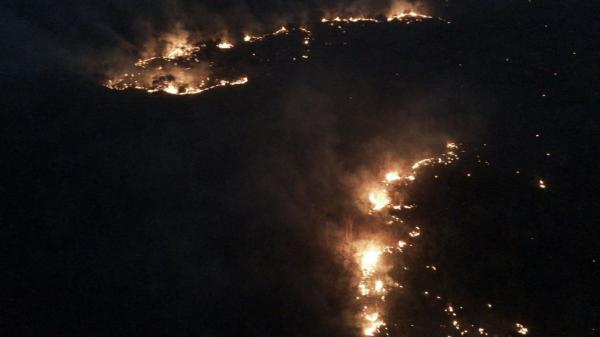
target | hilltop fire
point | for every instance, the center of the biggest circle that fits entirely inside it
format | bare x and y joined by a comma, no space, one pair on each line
185,67
405,16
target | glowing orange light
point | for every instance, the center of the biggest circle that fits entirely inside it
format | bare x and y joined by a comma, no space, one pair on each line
379,199
392,176
379,286
225,45
521,329
369,260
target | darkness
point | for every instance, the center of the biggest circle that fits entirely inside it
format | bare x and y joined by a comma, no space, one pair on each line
220,214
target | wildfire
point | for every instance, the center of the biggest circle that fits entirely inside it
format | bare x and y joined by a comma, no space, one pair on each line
392,176
183,69
350,19
379,199
371,287
379,286
369,260
173,83
373,324
180,68
375,283
407,16
178,71
521,329
178,47
173,72
173,89
225,45
280,31
184,50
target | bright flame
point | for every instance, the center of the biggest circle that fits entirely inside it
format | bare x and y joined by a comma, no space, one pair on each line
369,260
177,45
378,286
379,199
180,69
408,15
375,282
184,50
173,64
374,323
171,89
372,317
415,232
363,289
225,45
392,176
281,30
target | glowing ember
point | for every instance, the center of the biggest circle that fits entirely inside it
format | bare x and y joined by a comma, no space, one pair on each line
281,30
521,329
451,145
423,162
414,233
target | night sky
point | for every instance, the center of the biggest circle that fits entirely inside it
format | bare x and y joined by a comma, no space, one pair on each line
226,213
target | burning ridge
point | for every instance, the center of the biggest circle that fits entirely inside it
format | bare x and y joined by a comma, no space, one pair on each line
185,67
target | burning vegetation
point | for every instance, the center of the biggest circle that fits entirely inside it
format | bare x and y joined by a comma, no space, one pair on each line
376,251
185,67
179,65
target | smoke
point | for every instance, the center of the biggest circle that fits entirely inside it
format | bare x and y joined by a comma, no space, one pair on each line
236,209
89,37
324,148
229,213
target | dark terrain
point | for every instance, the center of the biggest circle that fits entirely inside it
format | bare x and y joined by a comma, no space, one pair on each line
129,214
